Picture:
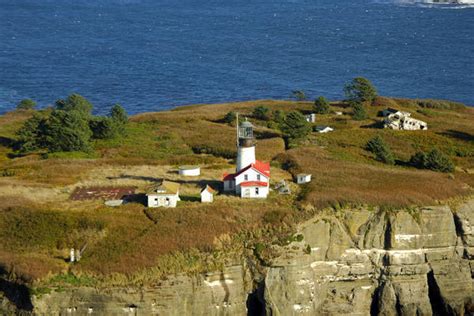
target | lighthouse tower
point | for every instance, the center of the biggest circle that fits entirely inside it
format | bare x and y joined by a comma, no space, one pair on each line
245,145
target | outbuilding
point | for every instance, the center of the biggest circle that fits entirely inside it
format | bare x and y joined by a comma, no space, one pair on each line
207,194
311,118
323,129
303,178
189,171
165,194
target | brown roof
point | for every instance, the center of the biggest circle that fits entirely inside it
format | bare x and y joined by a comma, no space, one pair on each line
208,188
165,187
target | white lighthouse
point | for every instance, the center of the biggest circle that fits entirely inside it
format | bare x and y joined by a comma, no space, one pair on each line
245,145
252,177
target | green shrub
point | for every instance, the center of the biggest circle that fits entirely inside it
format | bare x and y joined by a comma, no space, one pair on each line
381,150
434,160
26,104
321,105
279,116
103,127
437,161
299,95
358,112
230,117
261,113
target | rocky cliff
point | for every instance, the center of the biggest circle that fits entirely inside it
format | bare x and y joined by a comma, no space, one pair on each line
358,262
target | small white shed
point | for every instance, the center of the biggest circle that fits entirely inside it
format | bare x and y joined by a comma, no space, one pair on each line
303,178
311,118
165,194
189,171
207,194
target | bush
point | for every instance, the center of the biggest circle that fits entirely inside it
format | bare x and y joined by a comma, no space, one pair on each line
104,127
358,112
26,104
360,90
381,150
229,117
299,95
261,113
295,126
119,115
437,161
434,160
321,105
279,116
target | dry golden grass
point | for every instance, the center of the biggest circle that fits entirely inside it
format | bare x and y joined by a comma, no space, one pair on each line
336,182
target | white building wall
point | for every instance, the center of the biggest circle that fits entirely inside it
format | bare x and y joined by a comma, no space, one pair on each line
207,197
245,157
190,172
250,192
160,200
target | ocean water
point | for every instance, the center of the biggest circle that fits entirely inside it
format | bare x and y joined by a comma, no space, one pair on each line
151,55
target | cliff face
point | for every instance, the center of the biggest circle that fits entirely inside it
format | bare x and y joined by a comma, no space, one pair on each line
385,264
354,262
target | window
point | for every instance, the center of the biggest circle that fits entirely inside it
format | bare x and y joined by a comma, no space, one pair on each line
167,202
256,191
258,177
246,177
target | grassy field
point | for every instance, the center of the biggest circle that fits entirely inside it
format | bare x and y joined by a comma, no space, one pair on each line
132,244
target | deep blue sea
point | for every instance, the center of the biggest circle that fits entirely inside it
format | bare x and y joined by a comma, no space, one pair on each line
151,55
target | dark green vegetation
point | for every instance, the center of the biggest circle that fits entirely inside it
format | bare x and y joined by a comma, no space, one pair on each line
434,160
379,148
128,244
360,90
26,104
70,126
321,105
295,127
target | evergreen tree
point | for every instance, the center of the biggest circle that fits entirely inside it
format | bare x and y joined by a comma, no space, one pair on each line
75,102
295,126
230,117
381,150
30,134
418,160
434,160
118,114
67,131
360,90
26,104
358,112
103,127
279,116
437,161
261,113
321,105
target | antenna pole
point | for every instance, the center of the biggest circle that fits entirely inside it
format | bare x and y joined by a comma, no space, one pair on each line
237,127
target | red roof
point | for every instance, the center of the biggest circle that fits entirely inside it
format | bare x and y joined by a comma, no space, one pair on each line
261,167
254,184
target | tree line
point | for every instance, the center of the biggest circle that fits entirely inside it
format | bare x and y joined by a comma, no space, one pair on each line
68,126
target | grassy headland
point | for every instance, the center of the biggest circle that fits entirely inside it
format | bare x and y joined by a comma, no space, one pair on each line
130,244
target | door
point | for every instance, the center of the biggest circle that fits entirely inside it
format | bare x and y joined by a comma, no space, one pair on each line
246,192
